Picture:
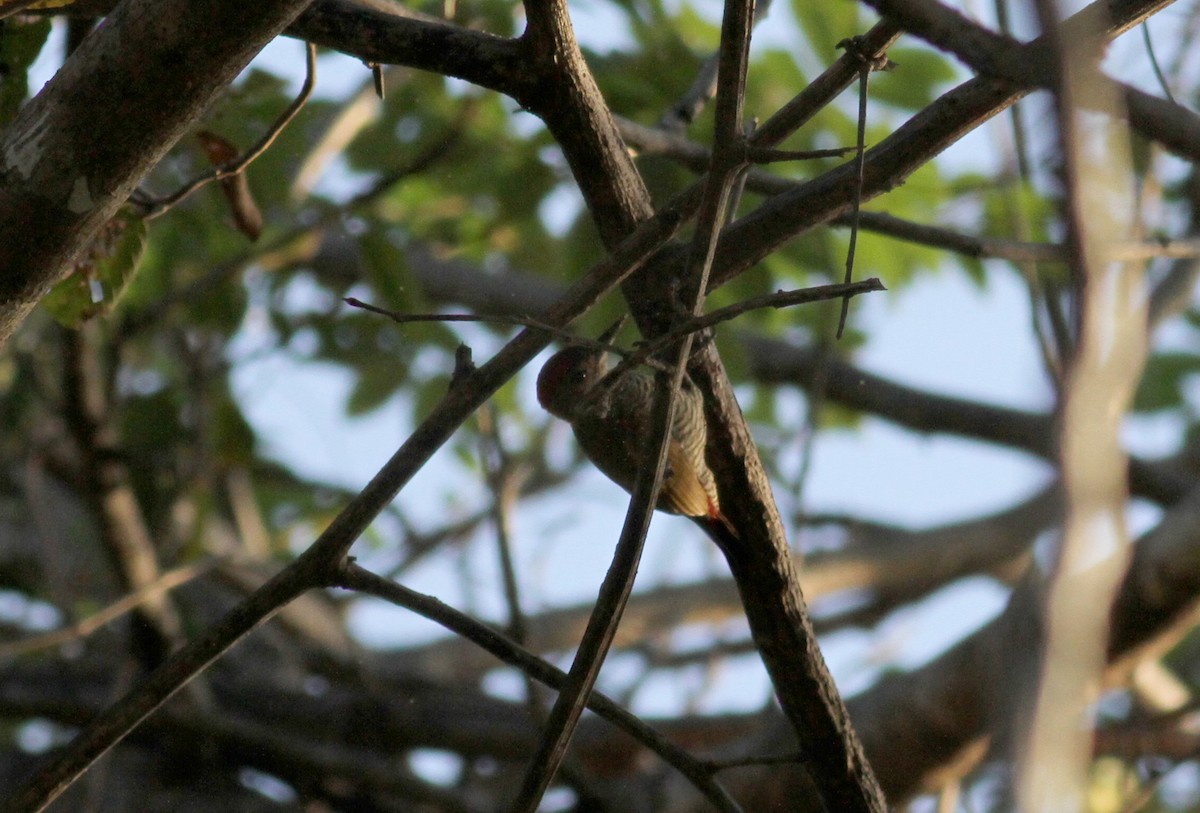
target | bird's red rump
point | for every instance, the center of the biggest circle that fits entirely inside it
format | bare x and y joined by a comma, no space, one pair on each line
714,510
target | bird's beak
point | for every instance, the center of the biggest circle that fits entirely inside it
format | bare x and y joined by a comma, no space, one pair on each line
607,336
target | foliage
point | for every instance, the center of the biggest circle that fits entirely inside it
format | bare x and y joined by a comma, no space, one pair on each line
19,46
97,283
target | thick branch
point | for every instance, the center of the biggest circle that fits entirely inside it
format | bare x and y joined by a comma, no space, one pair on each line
888,164
397,35
76,151
774,361
576,114
567,99
998,56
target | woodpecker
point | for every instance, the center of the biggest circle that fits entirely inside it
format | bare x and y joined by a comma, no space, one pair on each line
611,421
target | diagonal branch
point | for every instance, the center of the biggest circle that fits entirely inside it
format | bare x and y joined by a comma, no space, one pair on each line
550,28
67,167
328,550
999,56
887,165
353,577
695,156
396,35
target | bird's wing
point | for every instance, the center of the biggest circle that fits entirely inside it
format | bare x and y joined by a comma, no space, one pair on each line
682,491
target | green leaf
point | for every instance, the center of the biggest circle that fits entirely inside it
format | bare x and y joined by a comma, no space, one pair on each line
386,267
1005,205
151,423
826,24
233,437
373,389
20,44
919,77
1162,383
98,280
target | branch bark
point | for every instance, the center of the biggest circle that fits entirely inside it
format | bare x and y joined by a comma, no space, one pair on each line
75,152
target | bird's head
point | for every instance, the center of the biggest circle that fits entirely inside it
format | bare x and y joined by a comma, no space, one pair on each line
567,378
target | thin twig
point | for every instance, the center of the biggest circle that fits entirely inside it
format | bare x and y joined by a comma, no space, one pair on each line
86,626
864,73
646,352
492,319
283,243
769,155
780,299
163,205
777,300
377,80
815,400
703,87
738,187
504,480
1158,71
718,765
499,319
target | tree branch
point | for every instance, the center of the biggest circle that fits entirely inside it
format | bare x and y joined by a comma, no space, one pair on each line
891,565
66,167
999,56
327,551
395,35
887,164
353,577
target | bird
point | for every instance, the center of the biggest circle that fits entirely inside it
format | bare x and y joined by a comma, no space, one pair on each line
611,421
